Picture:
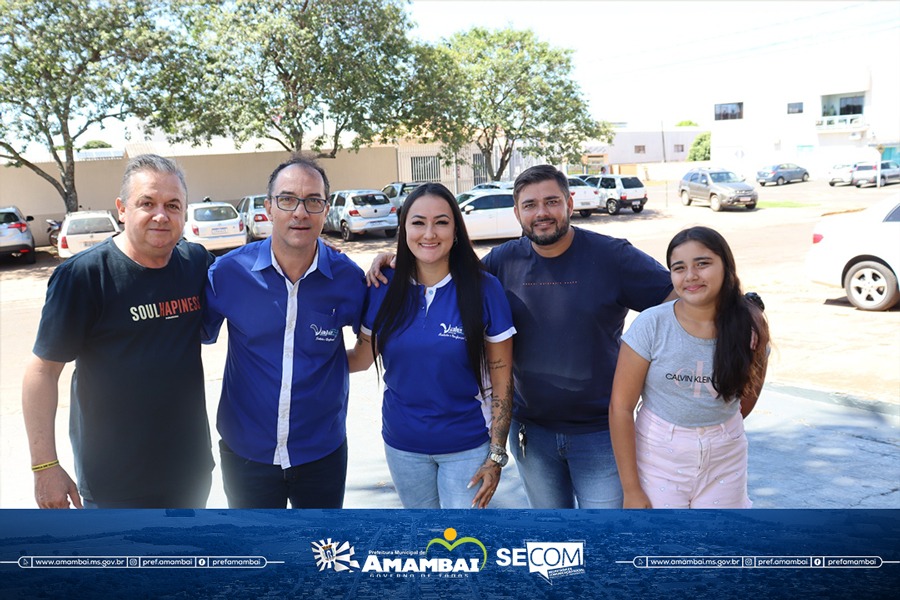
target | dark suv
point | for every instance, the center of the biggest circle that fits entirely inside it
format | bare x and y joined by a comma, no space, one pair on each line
717,187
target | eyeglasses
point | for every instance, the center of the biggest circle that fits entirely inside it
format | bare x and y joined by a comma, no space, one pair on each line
290,203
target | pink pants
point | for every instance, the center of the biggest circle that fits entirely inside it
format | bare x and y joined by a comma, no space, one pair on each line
692,467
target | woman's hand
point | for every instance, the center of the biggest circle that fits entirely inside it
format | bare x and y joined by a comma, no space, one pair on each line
489,475
636,499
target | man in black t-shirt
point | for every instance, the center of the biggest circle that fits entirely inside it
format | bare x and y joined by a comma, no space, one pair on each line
128,312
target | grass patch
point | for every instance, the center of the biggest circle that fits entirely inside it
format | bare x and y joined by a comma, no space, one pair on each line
784,204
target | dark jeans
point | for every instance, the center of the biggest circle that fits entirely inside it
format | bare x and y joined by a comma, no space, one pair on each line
318,484
194,495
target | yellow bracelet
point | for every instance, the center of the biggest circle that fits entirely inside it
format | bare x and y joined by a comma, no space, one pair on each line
44,466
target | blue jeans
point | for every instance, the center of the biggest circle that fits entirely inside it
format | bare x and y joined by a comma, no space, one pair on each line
317,484
435,480
560,470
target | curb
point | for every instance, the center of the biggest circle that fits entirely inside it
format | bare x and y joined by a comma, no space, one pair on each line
877,406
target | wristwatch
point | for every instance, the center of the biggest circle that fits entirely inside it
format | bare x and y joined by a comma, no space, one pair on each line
498,455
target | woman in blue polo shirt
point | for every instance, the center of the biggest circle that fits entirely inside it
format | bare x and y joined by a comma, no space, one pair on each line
440,326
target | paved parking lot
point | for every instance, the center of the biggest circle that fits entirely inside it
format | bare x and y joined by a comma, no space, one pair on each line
820,342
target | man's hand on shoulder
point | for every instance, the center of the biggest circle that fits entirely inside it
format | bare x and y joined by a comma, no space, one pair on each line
374,276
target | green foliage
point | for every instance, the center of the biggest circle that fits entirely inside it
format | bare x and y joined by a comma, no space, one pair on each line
700,148
95,144
293,71
508,89
66,65
687,123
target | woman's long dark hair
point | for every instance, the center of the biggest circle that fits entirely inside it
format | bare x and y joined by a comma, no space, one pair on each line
396,312
738,363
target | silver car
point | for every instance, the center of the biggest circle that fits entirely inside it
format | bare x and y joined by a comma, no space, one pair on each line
252,210
355,212
15,234
869,173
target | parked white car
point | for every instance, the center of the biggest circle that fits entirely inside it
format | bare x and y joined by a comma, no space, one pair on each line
214,225
841,173
860,252
586,198
252,210
85,228
489,214
620,191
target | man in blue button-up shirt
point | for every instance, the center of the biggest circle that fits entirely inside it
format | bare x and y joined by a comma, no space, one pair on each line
282,413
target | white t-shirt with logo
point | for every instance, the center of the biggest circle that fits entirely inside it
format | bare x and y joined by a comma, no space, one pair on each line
678,387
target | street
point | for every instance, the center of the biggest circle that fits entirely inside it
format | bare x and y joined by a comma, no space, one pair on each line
820,342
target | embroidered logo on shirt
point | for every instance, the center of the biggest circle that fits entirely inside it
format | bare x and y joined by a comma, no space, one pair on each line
324,335
452,331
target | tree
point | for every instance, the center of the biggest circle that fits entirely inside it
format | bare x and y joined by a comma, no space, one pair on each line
700,148
299,72
687,123
511,90
95,144
66,65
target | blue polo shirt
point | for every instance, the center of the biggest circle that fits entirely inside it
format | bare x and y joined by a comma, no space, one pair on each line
432,403
286,381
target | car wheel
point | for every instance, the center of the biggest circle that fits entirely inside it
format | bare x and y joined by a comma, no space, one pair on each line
882,181
612,206
715,203
762,184
685,198
637,209
779,181
831,183
346,234
248,234
30,257
806,177
585,213
54,238
871,286
859,184
751,206
390,233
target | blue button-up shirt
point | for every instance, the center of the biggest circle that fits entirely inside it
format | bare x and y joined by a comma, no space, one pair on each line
286,381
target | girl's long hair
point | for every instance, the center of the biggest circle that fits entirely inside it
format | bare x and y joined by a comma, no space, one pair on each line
742,333
400,300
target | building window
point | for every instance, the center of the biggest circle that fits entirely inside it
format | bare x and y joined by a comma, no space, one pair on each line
727,112
479,168
679,147
795,108
851,105
640,150
425,168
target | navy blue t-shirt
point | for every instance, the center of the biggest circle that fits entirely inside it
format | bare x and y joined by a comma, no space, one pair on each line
569,312
138,420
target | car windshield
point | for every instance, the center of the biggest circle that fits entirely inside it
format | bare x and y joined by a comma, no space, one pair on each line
409,187
725,177
370,200
6,218
865,167
90,225
630,183
259,202
214,213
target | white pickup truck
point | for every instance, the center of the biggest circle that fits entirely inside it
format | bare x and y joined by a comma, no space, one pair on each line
586,198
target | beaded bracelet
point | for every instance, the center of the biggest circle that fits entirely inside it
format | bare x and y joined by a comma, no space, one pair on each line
44,466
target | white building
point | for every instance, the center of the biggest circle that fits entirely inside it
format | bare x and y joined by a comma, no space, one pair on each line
815,115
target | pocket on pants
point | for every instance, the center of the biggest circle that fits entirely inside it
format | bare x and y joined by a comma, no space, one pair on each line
734,427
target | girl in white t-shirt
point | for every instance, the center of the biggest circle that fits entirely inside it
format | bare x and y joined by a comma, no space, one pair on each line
698,364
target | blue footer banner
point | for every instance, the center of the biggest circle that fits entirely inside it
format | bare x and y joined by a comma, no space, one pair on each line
449,554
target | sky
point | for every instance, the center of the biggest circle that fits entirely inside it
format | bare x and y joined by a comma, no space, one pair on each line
649,63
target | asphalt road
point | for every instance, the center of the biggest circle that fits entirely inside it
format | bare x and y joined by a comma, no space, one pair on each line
820,342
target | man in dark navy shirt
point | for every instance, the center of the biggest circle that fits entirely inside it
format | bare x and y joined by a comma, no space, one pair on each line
569,290
128,312
283,409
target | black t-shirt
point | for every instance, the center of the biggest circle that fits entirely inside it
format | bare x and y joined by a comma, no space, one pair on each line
569,312
138,419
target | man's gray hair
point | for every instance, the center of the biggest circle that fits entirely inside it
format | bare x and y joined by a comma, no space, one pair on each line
150,162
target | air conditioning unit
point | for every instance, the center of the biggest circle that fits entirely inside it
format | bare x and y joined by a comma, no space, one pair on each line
855,135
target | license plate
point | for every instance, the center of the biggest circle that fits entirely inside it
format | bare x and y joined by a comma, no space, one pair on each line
376,222
88,244
636,204
583,204
219,230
